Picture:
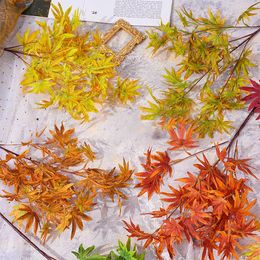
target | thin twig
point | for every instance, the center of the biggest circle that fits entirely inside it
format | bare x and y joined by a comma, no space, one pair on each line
194,154
247,40
242,126
26,238
21,52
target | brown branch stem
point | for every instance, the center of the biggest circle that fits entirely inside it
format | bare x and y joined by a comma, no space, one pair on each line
21,52
246,41
194,154
45,255
242,126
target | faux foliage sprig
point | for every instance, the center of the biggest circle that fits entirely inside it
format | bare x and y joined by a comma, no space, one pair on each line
53,186
71,68
211,207
213,68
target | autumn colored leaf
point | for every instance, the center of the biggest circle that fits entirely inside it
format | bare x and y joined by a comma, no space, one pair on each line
253,97
25,213
172,228
53,186
174,197
135,231
206,83
211,207
156,167
158,213
232,165
182,137
221,154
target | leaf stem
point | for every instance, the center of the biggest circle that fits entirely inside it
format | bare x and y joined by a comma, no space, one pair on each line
194,154
21,52
45,255
247,40
242,126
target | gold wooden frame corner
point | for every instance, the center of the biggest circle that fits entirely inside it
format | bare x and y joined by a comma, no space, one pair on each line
137,38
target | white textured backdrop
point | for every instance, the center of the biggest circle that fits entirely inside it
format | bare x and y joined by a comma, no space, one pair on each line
114,133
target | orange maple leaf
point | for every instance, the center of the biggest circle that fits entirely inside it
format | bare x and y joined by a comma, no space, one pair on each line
135,231
242,164
182,137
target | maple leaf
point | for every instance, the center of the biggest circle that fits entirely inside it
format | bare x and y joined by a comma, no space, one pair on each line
175,197
135,231
233,164
221,206
45,189
24,212
189,228
126,90
182,137
70,68
156,167
208,246
253,97
228,244
241,206
221,154
45,231
211,207
158,213
198,215
169,232
248,13
173,229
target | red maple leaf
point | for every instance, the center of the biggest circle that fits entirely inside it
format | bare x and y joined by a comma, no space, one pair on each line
156,167
175,197
253,97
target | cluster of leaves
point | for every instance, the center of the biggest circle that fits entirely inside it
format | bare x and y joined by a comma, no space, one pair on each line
72,69
123,252
158,165
253,97
212,62
211,208
53,186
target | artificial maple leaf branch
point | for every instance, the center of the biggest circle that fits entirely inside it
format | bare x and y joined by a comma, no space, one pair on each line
21,234
212,207
157,167
73,70
46,195
208,55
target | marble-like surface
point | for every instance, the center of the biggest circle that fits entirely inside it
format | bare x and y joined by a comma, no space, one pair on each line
114,133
